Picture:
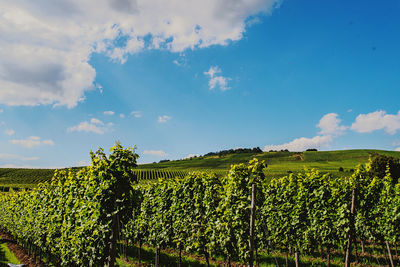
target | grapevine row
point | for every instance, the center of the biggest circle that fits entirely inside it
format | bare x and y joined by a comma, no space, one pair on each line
74,220
302,212
154,174
78,217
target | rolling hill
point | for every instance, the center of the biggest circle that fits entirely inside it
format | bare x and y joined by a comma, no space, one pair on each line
279,164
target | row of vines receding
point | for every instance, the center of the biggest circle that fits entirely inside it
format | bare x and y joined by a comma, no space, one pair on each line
77,219
74,219
302,213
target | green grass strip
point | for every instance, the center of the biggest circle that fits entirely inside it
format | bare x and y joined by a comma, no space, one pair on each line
6,256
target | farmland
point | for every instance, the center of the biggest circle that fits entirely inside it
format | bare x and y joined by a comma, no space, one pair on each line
279,164
207,218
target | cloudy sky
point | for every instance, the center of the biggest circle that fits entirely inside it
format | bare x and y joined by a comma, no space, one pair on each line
186,77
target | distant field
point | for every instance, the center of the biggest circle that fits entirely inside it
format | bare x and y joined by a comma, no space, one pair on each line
15,178
279,164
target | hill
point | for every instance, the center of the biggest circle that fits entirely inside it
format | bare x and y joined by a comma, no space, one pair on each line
16,177
279,164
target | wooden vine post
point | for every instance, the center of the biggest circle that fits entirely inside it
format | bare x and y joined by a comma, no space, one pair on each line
352,230
113,243
157,263
296,258
180,256
328,256
252,219
390,254
286,259
140,251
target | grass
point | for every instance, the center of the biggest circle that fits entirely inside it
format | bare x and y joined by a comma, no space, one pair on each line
6,256
279,164
167,258
373,257
26,178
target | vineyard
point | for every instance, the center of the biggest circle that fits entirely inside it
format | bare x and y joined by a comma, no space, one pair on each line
17,179
25,178
337,163
280,163
151,174
231,219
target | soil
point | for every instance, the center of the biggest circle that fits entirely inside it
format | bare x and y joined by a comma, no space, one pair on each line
20,253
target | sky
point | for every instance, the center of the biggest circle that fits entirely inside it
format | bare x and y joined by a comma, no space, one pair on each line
187,77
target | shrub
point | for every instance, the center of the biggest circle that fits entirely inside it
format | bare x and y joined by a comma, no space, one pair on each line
380,163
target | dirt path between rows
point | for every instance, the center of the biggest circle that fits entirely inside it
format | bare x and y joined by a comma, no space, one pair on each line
20,253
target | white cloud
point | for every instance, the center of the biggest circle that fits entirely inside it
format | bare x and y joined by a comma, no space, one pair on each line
122,116
94,126
212,71
164,118
46,44
109,112
98,86
330,128
9,132
181,61
303,143
133,45
378,120
48,142
330,125
32,141
16,157
158,153
397,149
253,21
220,81
136,114
96,121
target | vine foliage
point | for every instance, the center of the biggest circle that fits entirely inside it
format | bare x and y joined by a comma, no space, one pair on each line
73,218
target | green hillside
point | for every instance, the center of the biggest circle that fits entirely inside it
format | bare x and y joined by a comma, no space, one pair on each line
13,177
279,164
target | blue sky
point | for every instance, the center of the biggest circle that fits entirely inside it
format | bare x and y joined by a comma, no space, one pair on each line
190,77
